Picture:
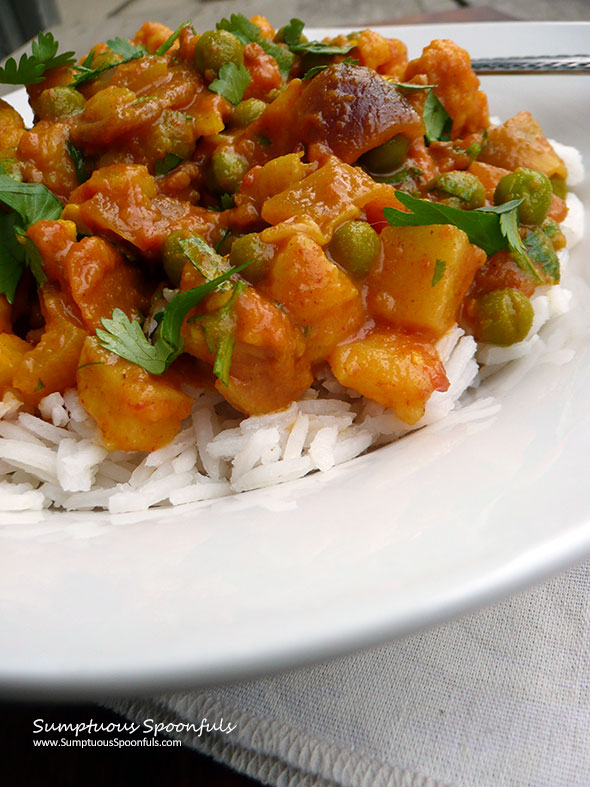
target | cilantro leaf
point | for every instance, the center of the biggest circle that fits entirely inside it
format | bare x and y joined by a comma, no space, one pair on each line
292,31
166,164
163,48
492,228
437,121
35,262
439,271
540,249
482,228
85,72
311,72
125,338
30,69
232,82
247,32
220,334
12,257
321,48
410,86
78,160
206,260
241,27
32,201
125,48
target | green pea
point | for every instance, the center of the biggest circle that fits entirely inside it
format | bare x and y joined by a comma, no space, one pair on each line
467,188
10,167
58,102
559,186
387,157
251,249
355,246
504,317
215,48
247,112
226,172
533,187
173,257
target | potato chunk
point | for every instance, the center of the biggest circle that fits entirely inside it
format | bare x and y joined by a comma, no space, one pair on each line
520,142
319,296
51,365
134,410
397,370
333,194
422,277
12,350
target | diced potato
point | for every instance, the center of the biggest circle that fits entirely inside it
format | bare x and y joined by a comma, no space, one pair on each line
333,194
423,277
397,370
268,347
318,294
520,142
12,350
274,176
134,410
51,365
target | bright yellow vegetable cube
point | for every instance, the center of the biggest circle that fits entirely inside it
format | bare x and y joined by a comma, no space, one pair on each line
423,276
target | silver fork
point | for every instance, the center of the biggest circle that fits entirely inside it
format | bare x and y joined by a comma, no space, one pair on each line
534,64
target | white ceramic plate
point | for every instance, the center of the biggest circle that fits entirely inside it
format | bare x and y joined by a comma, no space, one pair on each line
412,534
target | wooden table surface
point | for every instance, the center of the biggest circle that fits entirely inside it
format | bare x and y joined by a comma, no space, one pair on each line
24,764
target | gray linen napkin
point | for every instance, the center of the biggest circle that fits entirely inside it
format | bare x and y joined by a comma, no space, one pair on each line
500,697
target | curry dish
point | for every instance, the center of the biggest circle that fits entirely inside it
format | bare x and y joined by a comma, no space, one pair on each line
238,208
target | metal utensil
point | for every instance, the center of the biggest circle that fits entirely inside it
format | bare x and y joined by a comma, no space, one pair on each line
533,64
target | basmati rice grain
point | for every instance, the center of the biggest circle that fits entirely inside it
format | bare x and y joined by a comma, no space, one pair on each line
296,439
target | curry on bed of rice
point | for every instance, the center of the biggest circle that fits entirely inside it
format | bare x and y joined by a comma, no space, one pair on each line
246,211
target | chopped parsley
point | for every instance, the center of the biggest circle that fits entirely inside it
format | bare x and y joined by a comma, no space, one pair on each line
437,121
163,48
491,228
321,48
78,160
247,32
164,165
439,271
292,32
125,337
231,82
31,69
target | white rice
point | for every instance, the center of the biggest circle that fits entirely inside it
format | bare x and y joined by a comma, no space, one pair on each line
59,461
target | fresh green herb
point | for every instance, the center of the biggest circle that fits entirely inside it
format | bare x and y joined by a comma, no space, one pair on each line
34,260
90,363
439,270
292,31
220,334
163,48
264,140
320,48
31,68
226,202
164,165
125,338
247,32
142,100
205,259
12,257
78,160
492,229
226,234
30,202
410,85
85,72
129,51
40,385
232,82
540,249
437,121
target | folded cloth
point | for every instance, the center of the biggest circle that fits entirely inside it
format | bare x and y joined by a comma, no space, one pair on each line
500,697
